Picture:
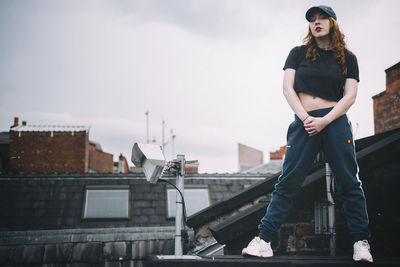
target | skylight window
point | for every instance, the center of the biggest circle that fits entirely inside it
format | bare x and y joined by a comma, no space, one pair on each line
106,202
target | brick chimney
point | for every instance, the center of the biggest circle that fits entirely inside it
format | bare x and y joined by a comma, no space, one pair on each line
15,121
387,103
122,164
393,78
192,167
278,154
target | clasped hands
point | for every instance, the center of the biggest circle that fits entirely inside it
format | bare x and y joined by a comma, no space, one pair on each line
314,125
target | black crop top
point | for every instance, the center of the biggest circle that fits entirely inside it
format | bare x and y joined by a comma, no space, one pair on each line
323,78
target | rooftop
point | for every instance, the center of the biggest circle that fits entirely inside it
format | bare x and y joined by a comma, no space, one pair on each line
4,138
236,260
273,166
50,128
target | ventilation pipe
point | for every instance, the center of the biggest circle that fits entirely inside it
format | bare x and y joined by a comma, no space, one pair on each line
331,209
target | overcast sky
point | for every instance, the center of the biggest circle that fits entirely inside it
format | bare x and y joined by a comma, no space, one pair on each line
212,69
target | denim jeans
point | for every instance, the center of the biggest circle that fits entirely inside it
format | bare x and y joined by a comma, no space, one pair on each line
336,141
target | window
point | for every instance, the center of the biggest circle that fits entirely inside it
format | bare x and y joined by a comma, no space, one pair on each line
106,202
196,199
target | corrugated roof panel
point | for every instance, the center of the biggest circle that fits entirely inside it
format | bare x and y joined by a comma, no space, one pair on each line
50,128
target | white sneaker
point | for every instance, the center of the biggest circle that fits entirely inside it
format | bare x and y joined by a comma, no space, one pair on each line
259,248
362,251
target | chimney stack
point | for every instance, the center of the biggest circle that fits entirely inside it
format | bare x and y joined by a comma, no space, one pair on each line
121,164
15,121
393,79
278,154
386,103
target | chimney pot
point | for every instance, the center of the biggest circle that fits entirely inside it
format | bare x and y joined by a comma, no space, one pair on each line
24,123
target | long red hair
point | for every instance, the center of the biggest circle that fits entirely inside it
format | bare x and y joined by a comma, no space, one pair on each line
337,42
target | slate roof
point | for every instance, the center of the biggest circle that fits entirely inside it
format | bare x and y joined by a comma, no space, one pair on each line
273,166
233,202
55,201
127,246
50,128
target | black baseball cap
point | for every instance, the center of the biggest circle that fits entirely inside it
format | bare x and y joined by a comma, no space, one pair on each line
326,9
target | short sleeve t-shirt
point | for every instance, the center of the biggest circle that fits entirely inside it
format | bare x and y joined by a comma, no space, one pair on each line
323,78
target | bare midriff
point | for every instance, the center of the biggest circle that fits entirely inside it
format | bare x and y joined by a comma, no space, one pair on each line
311,102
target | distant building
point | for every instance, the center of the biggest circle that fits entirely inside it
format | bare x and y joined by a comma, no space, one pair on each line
249,157
55,149
4,151
387,103
192,167
100,161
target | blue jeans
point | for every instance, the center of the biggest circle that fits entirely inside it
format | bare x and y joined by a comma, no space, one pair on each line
336,141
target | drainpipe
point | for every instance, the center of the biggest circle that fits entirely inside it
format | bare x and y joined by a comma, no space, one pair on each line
331,210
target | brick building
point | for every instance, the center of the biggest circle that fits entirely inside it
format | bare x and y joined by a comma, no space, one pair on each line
387,103
99,161
4,151
55,149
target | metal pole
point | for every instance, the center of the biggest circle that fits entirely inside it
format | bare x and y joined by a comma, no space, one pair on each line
173,143
331,210
147,126
162,141
178,209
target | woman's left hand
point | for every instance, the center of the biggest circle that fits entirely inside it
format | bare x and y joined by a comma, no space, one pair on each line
314,125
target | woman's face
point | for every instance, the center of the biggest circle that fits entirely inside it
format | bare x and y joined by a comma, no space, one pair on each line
319,24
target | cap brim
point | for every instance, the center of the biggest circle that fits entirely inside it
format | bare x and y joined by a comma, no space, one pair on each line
313,10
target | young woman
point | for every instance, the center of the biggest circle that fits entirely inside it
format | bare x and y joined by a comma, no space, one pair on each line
320,85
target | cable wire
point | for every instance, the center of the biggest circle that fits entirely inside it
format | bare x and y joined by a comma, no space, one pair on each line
183,200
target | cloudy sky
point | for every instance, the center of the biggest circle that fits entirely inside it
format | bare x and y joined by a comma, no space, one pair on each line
212,69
